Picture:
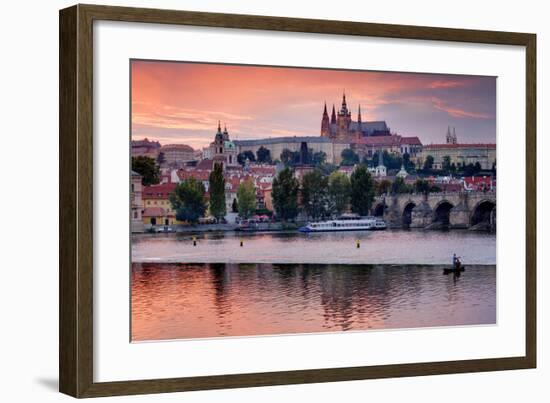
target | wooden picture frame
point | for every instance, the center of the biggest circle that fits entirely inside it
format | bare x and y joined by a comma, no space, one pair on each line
76,200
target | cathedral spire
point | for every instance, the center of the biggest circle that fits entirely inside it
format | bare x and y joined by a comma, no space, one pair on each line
325,111
333,117
219,127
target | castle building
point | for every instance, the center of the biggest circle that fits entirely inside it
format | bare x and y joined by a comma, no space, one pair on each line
460,153
222,149
177,155
341,126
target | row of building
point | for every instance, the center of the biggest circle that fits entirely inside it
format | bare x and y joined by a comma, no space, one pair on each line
338,133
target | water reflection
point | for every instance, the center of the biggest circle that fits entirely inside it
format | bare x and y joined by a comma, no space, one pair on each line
208,300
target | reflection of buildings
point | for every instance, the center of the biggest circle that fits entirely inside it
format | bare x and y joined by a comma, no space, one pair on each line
460,153
136,202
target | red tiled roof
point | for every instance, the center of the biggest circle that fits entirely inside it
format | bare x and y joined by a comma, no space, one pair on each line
206,165
263,170
380,141
415,141
158,191
463,145
153,212
197,174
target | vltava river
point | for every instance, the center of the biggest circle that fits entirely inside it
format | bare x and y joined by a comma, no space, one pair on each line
391,246
295,283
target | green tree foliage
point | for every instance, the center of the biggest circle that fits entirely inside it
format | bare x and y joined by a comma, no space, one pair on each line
217,192
241,157
147,168
289,157
407,163
339,189
349,157
319,158
383,187
446,163
422,186
246,198
375,160
362,190
161,159
285,194
315,194
428,162
399,186
477,167
188,200
392,160
263,155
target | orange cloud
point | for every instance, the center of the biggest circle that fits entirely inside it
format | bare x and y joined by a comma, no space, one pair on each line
457,112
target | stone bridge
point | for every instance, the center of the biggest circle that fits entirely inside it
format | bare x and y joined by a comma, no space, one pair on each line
473,210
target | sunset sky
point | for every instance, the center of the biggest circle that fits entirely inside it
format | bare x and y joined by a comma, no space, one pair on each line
182,102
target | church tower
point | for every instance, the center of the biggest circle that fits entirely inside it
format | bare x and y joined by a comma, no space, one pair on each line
359,131
451,137
218,141
325,124
343,120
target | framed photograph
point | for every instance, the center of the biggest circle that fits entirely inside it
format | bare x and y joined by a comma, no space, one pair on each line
250,201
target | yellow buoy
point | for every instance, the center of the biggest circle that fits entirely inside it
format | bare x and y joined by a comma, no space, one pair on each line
241,242
358,243
194,241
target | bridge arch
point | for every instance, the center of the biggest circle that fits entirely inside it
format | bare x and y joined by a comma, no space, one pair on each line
378,210
483,211
406,217
441,212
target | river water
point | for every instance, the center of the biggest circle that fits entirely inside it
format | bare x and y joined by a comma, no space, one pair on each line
376,247
284,283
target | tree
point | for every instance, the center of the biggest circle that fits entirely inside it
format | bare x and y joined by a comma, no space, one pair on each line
349,157
315,194
319,158
407,163
362,190
446,163
188,200
263,155
217,192
399,186
161,159
246,198
429,162
242,157
477,167
235,206
384,186
392,160
288,157
469,170
339,189
422,186
147,168
285,194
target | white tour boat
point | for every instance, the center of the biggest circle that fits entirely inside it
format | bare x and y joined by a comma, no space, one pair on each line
346,223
